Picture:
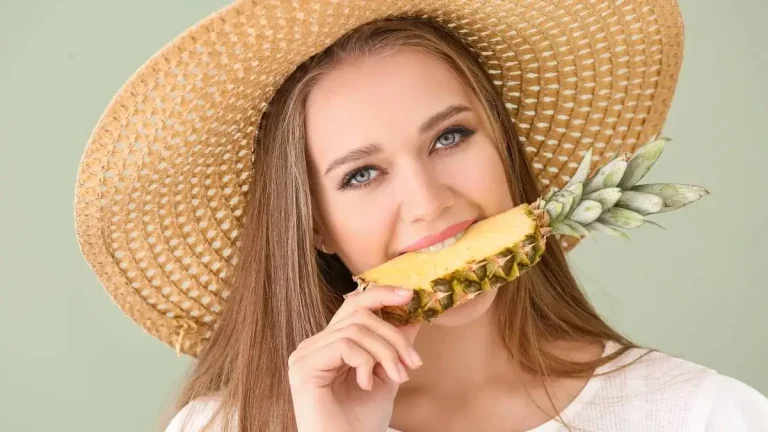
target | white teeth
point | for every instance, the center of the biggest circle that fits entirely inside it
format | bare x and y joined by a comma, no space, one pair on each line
443,244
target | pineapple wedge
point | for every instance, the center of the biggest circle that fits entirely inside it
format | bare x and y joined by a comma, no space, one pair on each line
491,253
495,251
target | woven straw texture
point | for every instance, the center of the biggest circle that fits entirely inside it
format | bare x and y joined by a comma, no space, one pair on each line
163,181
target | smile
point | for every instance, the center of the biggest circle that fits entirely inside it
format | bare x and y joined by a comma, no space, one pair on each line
443,244
441,240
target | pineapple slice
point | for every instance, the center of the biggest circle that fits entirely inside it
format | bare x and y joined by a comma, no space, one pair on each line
495,251
491,253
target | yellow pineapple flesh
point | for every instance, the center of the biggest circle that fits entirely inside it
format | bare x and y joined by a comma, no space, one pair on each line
491,253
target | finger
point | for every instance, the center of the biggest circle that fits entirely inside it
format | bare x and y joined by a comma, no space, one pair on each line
377,347
391,334
373,298
344,352
364,377
381,373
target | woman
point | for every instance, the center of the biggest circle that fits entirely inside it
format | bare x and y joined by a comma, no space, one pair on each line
394,139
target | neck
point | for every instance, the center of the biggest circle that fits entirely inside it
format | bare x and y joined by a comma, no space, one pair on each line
469,355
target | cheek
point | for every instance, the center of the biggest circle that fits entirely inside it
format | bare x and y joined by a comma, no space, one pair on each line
478,175
360,228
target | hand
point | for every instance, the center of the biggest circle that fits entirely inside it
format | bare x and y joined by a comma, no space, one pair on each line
344,379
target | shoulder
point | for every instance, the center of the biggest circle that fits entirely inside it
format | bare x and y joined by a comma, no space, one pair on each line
726,403
195,415
657,370
693,394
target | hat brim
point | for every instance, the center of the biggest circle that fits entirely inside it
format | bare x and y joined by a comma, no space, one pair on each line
163,180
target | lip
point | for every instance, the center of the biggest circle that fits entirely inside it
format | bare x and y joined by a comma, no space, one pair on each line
443,235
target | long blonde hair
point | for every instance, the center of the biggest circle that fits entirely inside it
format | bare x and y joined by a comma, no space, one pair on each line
286,291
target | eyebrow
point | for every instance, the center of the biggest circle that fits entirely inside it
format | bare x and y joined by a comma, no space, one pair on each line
373,149
353,156
442,116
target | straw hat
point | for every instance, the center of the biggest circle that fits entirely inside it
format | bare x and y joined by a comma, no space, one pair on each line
163,182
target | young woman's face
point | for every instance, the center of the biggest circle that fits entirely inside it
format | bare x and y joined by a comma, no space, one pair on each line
401,159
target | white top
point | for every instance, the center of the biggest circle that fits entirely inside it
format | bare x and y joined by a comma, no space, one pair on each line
657,393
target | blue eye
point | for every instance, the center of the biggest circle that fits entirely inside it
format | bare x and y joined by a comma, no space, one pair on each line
448,139
362,176
359,178
452,137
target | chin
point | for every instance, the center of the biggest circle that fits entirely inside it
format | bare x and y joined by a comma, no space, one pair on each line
467,312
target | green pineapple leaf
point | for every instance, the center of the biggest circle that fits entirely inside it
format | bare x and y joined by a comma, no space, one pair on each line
607,176
675,196
643,203
642,162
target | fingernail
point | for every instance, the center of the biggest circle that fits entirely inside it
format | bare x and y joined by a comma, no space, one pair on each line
403,291
403,372
415,357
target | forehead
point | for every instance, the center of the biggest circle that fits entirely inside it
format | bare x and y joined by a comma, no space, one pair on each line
377,97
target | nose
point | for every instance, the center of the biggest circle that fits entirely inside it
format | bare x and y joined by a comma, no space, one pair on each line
425,195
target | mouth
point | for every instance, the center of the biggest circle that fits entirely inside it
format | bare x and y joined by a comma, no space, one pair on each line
443,244
441,240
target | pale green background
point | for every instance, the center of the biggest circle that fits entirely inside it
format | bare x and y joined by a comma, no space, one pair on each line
70,361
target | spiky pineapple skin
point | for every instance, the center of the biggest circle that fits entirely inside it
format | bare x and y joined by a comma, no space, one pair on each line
474,278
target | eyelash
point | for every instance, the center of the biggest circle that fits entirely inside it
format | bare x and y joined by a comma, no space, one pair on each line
462,131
